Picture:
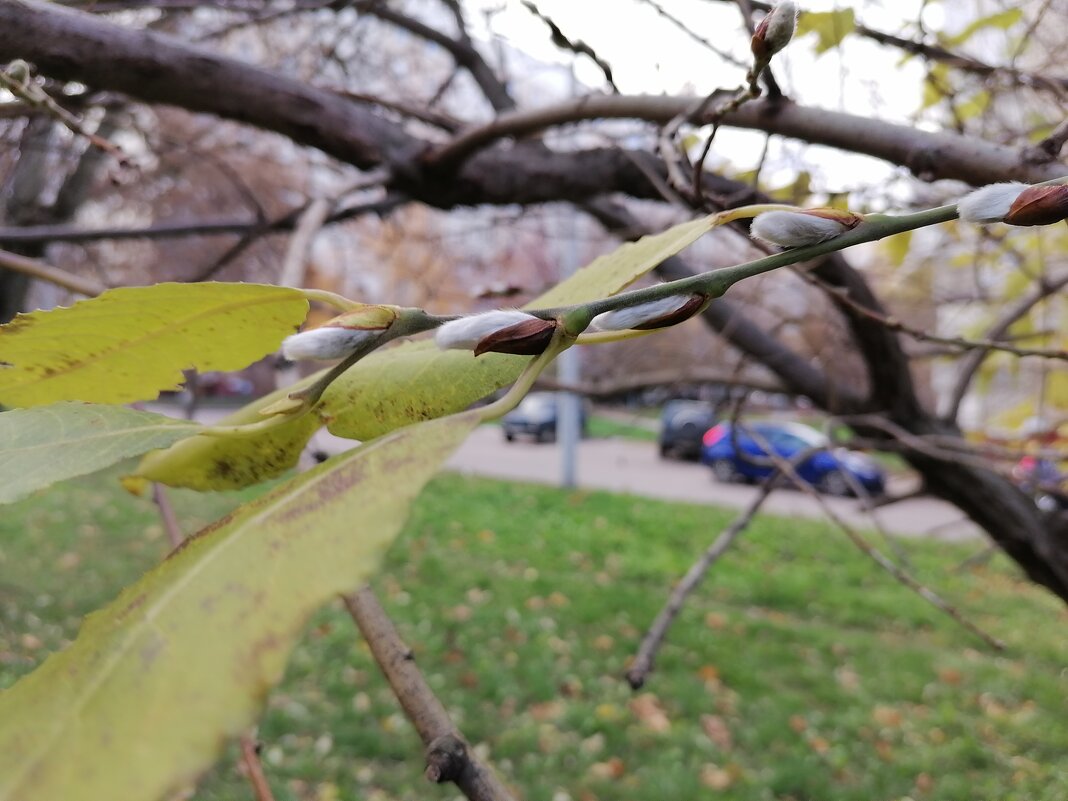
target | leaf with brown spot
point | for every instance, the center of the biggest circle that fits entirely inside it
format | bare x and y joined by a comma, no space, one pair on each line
155,683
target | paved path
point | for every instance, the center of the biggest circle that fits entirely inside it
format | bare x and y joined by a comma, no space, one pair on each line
621,465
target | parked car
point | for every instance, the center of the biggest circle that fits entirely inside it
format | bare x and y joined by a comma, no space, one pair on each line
734,455
535,416
683,423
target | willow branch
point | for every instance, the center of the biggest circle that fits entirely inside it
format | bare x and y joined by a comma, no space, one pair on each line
250,757
997,334
448,755
49,274
642,665
899,574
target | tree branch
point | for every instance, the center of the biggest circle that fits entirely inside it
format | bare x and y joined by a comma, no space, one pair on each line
158,68
998,331
48,273
449,758
931,155
642,665
285,222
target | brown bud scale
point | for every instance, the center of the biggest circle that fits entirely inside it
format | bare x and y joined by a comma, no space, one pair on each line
684,312
1039,205
528,338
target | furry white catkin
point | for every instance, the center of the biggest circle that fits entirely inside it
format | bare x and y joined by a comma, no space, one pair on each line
329,342
634,316
467,332
794,229
989,204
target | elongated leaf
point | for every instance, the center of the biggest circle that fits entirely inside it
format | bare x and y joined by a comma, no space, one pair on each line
143,700
41,446
129,344
411,382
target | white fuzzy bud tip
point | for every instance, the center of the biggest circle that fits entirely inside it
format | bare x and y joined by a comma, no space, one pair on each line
776,30
467,332
642,314
794,229
989,204
325,343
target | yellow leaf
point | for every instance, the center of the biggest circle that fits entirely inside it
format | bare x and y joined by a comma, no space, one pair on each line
144,699
830,27
129,344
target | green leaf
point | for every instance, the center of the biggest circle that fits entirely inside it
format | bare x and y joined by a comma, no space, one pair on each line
41,446
1002,19
399,385
831,27
129,344
143,700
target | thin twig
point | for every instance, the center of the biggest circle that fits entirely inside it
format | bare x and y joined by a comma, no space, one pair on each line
167,515
642,665
841,294
449,757
48,273
873,553
250,757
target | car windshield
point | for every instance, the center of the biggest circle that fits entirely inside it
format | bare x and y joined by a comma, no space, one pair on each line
795,435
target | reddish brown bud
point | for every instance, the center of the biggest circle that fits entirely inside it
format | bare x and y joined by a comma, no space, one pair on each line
1039,205
687,310
528,338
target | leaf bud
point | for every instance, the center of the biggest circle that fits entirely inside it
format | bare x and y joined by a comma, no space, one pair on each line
794,229
341,335
655,314
775,31
1039,205
499,331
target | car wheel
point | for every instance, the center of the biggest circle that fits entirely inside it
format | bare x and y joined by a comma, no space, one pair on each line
725,471
834,483
665,451
508,435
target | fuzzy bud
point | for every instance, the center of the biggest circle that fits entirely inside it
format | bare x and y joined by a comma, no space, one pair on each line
795,229
775,31
991,203
340,336
655,314
500,331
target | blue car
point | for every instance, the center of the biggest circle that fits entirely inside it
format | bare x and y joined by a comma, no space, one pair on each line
735,456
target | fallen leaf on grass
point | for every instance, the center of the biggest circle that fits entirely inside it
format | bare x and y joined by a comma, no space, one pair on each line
717,730
646,707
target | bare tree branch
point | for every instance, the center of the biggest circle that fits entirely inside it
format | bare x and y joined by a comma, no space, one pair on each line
642,665
997,333
787,468
449,757
48,273
250,757
284,222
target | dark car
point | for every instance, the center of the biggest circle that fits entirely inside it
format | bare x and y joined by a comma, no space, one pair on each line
683,423
535,416
734,455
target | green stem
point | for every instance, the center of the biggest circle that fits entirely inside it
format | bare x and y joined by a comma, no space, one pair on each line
500,407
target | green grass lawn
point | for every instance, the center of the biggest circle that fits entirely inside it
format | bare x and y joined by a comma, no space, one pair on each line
799,671
601,427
